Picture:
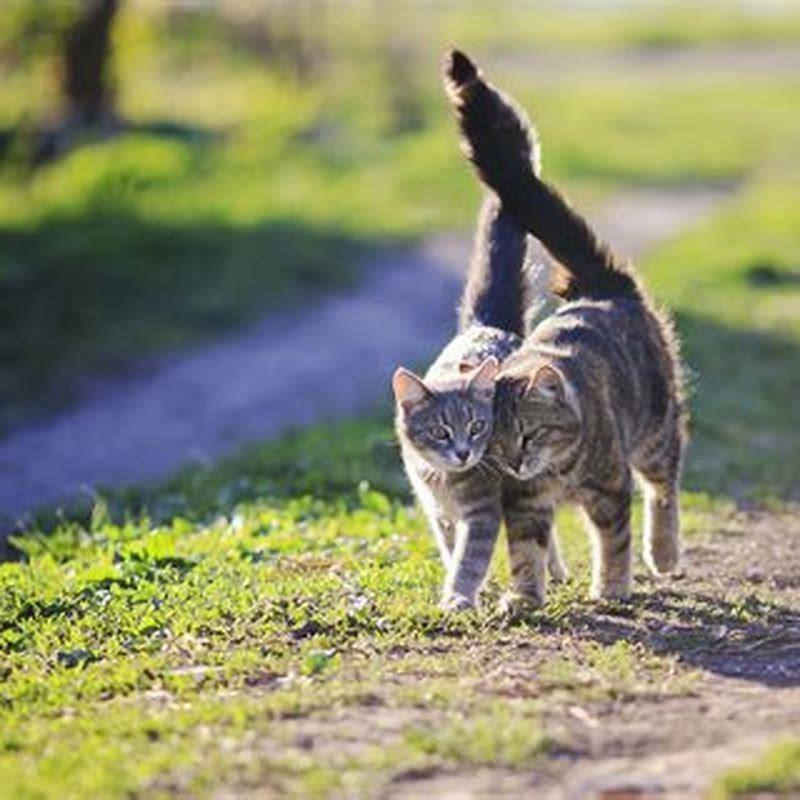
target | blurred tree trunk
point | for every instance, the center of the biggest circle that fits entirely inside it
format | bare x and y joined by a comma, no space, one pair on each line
85,82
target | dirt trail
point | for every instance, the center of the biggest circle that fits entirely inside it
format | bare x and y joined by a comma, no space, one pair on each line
732,622
330,361
748,665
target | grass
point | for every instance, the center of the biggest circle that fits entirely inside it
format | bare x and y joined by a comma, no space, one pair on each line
735,285
202,630
243,189
236,625
154,641
776,772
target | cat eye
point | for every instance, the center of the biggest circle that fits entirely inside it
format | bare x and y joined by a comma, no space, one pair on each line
526,442
476,427
439,432
531,439
538,436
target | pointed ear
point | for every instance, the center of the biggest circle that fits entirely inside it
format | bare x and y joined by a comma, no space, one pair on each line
408,387
484,375
549,384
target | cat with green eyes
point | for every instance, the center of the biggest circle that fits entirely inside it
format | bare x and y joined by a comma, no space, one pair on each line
445,419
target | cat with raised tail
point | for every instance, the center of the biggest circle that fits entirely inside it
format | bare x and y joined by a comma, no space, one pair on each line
445,419
594,395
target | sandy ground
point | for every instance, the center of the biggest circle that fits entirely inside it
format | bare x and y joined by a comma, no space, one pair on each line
330,361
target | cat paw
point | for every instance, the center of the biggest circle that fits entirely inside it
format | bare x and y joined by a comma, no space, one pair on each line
455,603
611,591
663,558
559,573
514,605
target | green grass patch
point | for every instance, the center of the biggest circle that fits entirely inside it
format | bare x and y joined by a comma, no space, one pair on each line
179,636
734,284
776,773
506,735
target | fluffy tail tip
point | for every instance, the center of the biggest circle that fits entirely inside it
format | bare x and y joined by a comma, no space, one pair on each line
459,69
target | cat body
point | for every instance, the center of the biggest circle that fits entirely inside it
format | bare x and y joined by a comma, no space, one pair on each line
591,398
594,393
464,507
444,420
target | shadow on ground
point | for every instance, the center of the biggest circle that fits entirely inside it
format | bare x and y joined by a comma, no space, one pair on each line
84,294
42,146
743,389
750,639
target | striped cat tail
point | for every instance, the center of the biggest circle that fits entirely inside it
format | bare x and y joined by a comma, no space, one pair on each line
501,144
494,294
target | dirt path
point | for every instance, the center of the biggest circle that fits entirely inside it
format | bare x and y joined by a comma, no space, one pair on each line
291,370
746,655
732,624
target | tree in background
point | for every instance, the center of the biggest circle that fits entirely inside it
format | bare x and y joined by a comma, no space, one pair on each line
85,80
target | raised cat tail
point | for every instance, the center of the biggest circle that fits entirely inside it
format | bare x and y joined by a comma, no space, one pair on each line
495,290
495,293
499,140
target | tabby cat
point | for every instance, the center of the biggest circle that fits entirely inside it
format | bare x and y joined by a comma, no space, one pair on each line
594,394
444,421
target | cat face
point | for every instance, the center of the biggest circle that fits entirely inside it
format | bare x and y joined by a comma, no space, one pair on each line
538,423
448,424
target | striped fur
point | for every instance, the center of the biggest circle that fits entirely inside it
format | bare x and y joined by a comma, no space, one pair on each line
594,394
462,499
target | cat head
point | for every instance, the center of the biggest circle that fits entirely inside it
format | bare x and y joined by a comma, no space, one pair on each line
447,423
538,422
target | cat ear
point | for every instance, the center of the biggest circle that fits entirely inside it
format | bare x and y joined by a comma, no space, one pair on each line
408,387
484,375
549,384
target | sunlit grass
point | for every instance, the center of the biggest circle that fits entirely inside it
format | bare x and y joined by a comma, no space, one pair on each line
158,639
775,774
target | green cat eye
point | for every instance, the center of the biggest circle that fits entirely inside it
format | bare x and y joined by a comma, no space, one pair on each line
439,432
476,427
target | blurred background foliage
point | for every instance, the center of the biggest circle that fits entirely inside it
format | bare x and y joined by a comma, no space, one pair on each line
247,155
239,157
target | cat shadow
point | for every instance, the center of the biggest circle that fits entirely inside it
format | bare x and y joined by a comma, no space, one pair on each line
750,639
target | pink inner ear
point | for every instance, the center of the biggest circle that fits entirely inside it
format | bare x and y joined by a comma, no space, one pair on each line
408,387
548,383
484,375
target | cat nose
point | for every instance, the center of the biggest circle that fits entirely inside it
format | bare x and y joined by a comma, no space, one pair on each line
462,454
516,464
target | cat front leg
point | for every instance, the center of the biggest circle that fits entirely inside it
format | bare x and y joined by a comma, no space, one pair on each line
444,534
556,566
608,512
441,526
476,533
529,528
